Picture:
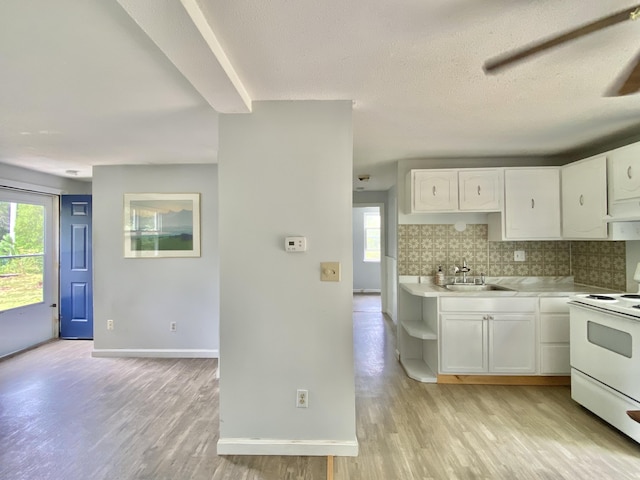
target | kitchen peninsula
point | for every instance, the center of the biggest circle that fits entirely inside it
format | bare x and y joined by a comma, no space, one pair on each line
518,334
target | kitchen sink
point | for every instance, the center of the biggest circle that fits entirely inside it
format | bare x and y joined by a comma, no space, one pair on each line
472,287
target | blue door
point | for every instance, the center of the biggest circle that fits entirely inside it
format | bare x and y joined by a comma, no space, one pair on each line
76,291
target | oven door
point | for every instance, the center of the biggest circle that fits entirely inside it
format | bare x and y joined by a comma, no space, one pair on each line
606,346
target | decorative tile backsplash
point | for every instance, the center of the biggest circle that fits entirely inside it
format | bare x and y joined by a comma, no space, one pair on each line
422,248
602,264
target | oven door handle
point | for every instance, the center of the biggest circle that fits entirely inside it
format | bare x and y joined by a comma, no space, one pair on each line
634,414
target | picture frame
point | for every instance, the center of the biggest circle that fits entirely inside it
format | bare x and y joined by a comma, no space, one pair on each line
161,225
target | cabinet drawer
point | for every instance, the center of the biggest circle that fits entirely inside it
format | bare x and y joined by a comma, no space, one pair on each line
488,304
554,305
554,328
554,359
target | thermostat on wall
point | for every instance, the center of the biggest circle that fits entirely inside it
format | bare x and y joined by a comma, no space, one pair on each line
295,244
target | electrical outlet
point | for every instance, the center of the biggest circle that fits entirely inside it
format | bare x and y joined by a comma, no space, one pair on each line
519,256
302,399
173,326
109,324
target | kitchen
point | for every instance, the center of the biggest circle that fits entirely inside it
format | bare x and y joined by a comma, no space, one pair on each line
411,80
510,324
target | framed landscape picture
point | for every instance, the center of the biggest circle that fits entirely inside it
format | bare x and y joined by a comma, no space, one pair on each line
160,225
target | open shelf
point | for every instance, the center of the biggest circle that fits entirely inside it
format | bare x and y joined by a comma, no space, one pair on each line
418,329
418,370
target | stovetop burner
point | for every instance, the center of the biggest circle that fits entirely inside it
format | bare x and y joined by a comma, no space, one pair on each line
601,297
632,296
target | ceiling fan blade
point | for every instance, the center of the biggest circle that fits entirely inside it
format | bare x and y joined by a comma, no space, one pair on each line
502,61
628,82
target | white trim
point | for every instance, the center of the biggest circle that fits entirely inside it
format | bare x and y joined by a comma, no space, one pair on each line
154,353
270,446
199,20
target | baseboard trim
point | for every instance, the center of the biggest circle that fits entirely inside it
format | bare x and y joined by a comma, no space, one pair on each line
538,380
303,448
154,353
26,349
366,290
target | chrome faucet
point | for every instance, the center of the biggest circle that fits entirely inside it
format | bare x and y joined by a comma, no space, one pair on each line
465,269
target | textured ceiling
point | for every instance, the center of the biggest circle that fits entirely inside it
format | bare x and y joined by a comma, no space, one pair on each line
139,81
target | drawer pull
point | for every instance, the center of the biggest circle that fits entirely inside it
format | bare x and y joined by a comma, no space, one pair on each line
634,415
533,203
478,189
433,191
629,172
581,200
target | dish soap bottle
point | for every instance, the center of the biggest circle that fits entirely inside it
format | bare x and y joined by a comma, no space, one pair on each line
440,276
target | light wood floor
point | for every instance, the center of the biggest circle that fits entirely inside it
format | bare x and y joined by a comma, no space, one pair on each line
67,416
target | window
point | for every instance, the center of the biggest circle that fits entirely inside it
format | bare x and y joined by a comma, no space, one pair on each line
21,254
371,237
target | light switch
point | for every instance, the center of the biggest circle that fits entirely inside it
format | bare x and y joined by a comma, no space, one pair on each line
330,271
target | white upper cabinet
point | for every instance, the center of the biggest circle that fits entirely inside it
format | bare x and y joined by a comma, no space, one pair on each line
480,190
434,190
584,198
531,205
625,173
456,190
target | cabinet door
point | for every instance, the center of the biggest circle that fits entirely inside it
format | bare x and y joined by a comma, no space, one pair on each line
554,359
554,328
532,203
434,190
463,344
625,170
512,343
584,199
480,189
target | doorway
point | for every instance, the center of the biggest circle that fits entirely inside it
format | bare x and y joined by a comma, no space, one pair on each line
28,248
368,253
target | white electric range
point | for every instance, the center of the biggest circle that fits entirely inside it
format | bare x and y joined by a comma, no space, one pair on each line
605,357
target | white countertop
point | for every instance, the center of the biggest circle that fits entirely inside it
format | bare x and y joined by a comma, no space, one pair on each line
520,286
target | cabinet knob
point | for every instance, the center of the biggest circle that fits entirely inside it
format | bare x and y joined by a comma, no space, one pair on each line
533,203
478,189
629,174
581,200
433,191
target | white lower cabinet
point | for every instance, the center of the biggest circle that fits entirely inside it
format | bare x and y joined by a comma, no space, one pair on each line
512,340
554,336
501,339
463,344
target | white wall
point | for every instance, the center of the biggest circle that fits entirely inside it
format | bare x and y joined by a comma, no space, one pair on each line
366,275
17,177
143,295
286,169
391,222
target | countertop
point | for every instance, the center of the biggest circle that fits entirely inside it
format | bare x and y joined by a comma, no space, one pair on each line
520,286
